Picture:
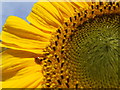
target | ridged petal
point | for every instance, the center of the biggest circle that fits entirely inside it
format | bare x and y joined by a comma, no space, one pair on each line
18,34
44,15
51,14
81,5
19,71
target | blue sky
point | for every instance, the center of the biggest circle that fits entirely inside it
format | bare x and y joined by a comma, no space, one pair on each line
20,9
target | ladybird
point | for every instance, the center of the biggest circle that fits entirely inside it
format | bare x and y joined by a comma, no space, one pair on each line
38,60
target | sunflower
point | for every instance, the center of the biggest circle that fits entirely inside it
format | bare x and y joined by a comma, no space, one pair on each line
65,45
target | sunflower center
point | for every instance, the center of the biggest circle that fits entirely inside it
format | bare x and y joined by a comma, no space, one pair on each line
86,58
92,52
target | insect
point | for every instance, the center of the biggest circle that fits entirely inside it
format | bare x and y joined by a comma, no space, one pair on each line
38,60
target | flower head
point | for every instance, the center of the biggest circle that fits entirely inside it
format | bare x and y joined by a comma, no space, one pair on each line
66,45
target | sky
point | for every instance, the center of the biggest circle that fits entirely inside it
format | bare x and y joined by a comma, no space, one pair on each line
19,9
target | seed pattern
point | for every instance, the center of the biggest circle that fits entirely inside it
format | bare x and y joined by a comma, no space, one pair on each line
56,68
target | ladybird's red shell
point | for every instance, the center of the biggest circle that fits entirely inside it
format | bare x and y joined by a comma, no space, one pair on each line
38,60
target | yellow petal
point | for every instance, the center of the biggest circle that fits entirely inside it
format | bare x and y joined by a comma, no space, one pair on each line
81,5
65,8
45,15
20,68
51,14
18,34
24,82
